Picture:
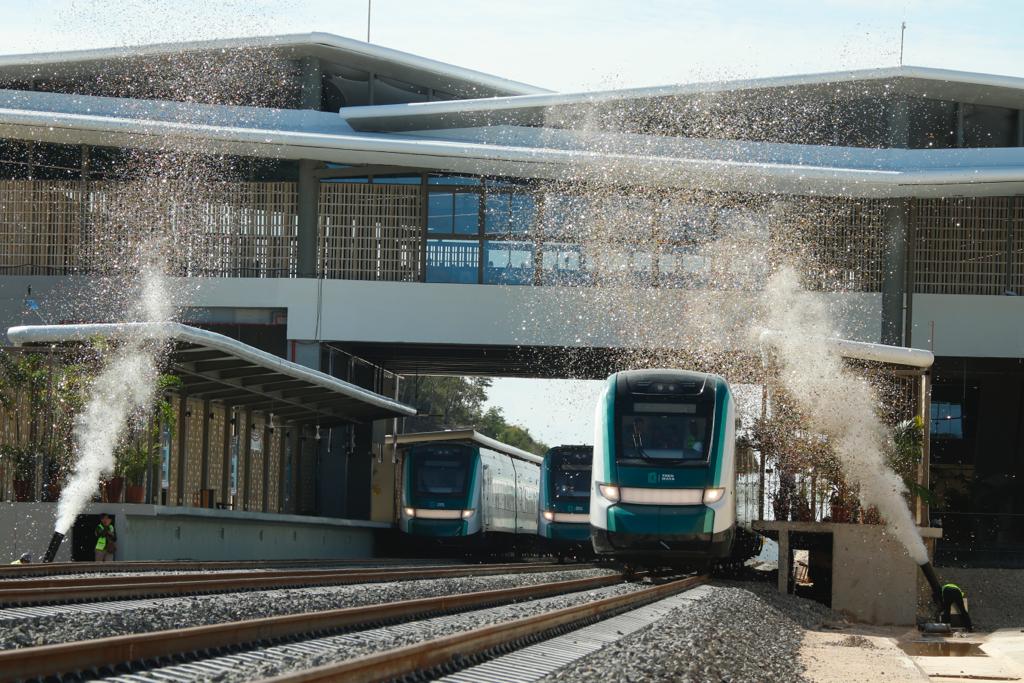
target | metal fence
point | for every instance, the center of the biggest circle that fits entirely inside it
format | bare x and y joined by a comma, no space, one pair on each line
223,229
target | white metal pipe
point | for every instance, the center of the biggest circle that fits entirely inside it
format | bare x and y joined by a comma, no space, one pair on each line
858,350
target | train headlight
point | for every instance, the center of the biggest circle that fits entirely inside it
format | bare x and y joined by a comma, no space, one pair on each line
410,512
549,515
713,495
609,491
466,514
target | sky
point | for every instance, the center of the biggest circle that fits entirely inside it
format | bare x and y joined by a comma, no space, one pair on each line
568,45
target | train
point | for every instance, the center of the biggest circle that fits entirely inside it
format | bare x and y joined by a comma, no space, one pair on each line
563,514
664,471
461,489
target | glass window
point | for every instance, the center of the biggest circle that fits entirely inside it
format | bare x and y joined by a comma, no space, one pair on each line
440,212
441,471
563,264
452,180
507,212
570,472
947,420
453,261
563,214
508,263
665,431
467,213
396,180
682,268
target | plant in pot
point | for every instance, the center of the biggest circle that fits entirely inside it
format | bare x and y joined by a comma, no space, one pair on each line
133,461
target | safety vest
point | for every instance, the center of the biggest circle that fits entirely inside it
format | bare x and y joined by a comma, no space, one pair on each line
101,542
953,585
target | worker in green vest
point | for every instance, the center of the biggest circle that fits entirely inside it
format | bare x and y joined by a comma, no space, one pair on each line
106,539
953,596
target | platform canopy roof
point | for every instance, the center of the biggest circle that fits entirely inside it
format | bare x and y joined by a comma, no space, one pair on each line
336,55
219,368
462,436
571,109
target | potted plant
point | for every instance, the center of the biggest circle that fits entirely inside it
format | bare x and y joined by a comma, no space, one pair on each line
132,466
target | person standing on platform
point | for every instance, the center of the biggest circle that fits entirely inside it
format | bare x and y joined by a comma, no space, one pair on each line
106,539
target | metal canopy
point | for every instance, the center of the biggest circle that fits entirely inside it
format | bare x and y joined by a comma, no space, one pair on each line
335,52
222,369
463,436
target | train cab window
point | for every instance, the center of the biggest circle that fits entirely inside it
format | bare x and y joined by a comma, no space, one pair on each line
441,471
662,432
570,474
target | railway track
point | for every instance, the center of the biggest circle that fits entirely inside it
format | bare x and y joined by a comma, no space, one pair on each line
122,654
33,592
19,571
449,654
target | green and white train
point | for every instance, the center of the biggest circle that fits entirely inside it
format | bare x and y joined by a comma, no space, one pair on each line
663,484
463,489
563,517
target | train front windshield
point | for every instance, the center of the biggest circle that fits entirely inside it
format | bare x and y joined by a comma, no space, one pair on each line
570,475
441,471
662,433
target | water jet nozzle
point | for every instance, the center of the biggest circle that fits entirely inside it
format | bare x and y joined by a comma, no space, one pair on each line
933,581
55,542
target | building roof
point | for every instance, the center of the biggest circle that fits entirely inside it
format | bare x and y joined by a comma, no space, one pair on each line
463,436
552,108
336,53
655,161
219,368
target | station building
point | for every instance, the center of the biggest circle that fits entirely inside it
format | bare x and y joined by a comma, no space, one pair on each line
391,215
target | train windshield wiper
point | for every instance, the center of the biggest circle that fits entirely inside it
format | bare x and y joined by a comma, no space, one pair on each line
638,446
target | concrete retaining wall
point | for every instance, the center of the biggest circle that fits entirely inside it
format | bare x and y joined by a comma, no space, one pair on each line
874,580
154,532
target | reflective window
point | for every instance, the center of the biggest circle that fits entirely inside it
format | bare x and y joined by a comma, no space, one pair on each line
668,432
508,263
563,214
453,213
452,180
563,264
508,212
453,261
441,471
947,420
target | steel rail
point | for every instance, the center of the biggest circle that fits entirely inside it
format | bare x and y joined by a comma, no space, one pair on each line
153,577
56,568
11,597
108,654
458,650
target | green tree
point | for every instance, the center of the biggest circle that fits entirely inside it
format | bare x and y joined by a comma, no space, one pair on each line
458,403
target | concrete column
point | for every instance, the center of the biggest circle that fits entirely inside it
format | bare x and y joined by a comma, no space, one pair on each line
182,449
308,217
204,466
245,453
267,436
225,457
360,467
894,270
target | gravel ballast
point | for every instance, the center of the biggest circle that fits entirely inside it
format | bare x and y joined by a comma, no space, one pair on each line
732,634
283,658
212,609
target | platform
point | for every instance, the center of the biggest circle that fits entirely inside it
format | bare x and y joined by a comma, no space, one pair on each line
868,574
158,532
